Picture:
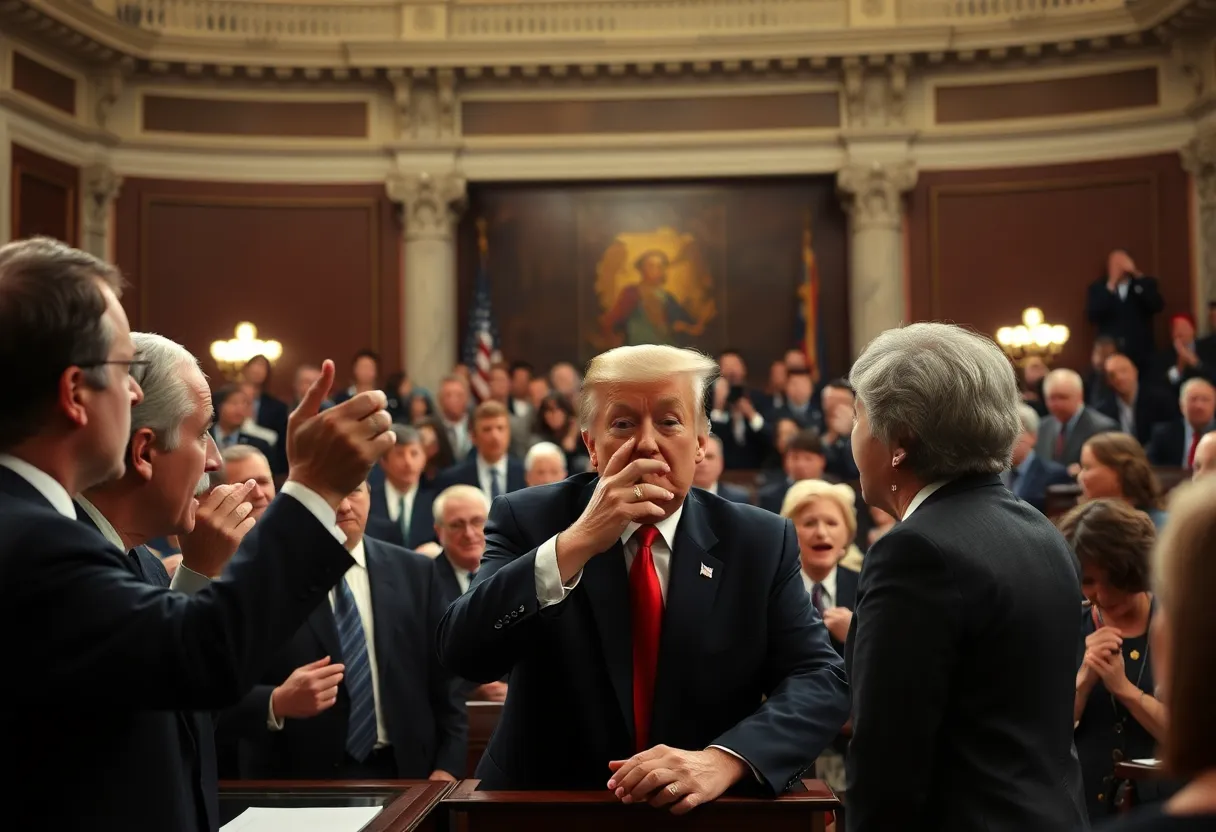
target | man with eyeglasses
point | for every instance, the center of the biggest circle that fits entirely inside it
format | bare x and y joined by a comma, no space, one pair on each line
107,658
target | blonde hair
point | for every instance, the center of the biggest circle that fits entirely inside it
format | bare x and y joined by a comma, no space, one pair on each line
646,364
806,491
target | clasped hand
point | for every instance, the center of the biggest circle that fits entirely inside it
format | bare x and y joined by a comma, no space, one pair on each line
1104,658
681,780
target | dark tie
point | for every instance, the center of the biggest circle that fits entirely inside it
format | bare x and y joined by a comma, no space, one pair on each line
361,722
1190,454
495,484
403,520
1060,439
646,608
817,598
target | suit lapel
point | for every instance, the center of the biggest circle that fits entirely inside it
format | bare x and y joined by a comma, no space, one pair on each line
606,584
691,593
386,595
322,622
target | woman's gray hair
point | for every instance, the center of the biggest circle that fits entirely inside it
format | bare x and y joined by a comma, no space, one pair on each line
948,393
168,400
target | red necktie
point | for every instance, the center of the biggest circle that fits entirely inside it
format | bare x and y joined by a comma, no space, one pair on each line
1059,449
646,606
1190,455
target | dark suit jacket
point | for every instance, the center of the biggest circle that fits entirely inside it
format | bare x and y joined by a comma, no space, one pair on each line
975,597
812,417
272,414
447,578
117,659
1040,474
243,438
1205,351
771,495
1130,321
1153,406
1165,447
746,454
1089,423
846,596
734,493
571,664
424,713
422,518
465,473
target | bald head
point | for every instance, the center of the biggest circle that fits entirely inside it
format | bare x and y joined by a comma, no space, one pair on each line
1205,457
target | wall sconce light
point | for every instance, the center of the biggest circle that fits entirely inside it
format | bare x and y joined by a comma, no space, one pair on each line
1034,337
234,354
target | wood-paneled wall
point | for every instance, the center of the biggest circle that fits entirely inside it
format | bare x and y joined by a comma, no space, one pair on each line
985,244
314,267
45,196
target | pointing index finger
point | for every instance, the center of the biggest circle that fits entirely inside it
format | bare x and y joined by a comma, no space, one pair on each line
619,459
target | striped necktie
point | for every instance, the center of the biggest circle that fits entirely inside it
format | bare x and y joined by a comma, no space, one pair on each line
361,722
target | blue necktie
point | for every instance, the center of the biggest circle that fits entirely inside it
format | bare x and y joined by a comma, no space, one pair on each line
495,484
361,723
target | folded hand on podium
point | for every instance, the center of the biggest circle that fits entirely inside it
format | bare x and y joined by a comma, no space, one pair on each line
683,780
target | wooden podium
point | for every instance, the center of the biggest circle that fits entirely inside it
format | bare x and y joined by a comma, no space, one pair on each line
406,805
464,809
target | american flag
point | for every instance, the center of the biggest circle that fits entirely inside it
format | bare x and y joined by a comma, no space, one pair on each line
481,344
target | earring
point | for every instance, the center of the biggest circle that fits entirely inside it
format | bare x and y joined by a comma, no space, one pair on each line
894,487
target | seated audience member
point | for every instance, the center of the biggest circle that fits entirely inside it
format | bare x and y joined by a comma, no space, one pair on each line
492,468
799,401
1136,408
1097,388
837,429
538,388
1029,476
804,460
1184,358
1205,457
1117,717
881,523
520,400
708,472
242,463
402,395
420,407
580,577
1071,423
454,414
1030,383
772,397
555,423
1122,303
231,411
460,523
1113,466
306,377
364,375
268,412
521,426
544,463
436,446
565,380
783,431
1174,443
400,506
397,714
1183,646
735,418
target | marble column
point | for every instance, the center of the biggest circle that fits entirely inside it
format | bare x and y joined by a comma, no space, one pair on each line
6,182
1199,159
873,196
431,207
101,187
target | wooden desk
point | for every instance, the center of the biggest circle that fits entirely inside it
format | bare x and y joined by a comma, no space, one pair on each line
483,719
409,805
464,809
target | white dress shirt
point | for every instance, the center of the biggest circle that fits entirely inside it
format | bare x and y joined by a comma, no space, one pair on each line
463,577
400,502
483,475
922,495
361,589
1127,414
827,592
458,434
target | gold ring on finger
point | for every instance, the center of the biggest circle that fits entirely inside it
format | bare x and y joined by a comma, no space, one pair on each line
637,491
673,789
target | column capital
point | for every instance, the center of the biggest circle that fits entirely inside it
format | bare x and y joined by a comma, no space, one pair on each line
1199,160
872,192
101,188
431,205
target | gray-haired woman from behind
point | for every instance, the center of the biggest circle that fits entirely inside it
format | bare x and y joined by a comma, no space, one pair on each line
962,649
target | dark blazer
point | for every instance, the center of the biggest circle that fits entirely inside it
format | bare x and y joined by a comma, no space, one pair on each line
1089,423
272,415
1205,351
243,438
771,495
1153,406
1165,447
812,417
734,493
1130,321
424,714
975,596
447,578
1040,474
465,473
846,596
422,518
741,455
571,664
117,659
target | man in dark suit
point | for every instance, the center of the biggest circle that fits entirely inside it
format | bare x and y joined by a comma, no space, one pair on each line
490,468
65,417
736,418
1173,444
400,506
803,460
232,408
1071,423
1029,476
709,471
1186,358
799,402
617,600
1122,304
1136,408
403,717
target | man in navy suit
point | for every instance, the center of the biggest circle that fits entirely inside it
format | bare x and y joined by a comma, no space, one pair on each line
400,507
490,467
409,708
709,470
544,463
1137,408
1029,475
1122,304
1174,443
116,658
804,459
669,625
232,408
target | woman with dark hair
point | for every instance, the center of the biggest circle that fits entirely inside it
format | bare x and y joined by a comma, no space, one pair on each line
555,423
438,448
1114,465
401,393
1183,642
1117,717
268,412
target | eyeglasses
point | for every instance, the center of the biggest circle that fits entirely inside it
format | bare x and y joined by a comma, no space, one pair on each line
476,524
131,364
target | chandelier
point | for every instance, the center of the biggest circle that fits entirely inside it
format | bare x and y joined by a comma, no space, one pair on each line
1033,338
235,353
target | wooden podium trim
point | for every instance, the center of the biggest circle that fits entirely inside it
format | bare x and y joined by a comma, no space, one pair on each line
407,812
465,792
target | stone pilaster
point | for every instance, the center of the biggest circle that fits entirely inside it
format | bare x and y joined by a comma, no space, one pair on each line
101,188
1199,159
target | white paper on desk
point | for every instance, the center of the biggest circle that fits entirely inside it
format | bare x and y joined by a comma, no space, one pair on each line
1147,762
302,819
